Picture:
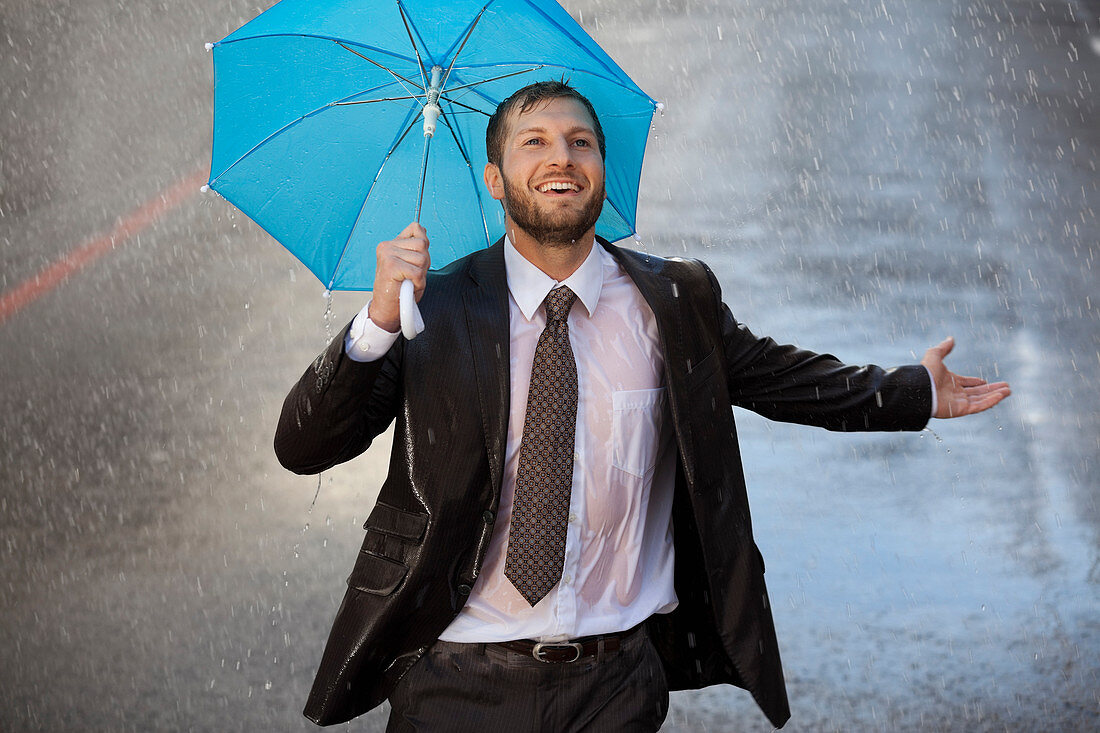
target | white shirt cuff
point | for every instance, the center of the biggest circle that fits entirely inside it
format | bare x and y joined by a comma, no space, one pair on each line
366,341
931,382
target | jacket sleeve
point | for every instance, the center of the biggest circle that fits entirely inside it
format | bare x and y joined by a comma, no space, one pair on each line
789,384
337,408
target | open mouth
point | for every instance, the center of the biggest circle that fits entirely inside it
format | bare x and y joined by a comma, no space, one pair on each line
558,188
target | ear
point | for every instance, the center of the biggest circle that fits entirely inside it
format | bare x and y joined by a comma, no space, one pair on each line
494,181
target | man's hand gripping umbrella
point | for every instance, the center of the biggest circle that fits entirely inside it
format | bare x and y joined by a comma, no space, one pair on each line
399,278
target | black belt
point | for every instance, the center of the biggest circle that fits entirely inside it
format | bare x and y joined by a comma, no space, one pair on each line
558,652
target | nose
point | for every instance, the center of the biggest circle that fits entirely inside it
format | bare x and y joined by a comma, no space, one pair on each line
560,154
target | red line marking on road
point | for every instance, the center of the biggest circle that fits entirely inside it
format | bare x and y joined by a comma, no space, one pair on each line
137,221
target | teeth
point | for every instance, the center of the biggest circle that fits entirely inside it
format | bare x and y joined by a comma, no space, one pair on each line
558,186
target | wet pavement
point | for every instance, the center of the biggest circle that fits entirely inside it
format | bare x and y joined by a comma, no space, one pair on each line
865,177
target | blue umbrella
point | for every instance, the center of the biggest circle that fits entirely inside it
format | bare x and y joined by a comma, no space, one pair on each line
325,115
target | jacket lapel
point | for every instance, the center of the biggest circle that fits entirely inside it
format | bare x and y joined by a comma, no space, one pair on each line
486,305
660,292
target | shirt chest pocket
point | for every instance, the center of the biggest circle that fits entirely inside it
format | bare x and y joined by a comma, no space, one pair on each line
636,429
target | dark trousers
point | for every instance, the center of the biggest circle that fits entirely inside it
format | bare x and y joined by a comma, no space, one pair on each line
482,688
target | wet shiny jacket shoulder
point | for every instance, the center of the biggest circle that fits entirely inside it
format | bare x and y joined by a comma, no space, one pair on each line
448,393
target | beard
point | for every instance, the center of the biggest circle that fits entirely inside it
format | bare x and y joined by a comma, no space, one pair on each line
556,228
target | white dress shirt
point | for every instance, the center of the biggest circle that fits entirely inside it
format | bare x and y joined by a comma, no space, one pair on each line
618,568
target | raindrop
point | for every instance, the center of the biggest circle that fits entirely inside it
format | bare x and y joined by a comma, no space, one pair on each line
328,314
315,495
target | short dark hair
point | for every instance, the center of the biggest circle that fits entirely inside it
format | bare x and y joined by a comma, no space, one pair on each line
526,98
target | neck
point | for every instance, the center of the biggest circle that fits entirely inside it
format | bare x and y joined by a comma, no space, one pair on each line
559,260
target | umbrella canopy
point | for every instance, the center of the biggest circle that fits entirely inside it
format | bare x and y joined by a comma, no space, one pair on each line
319,117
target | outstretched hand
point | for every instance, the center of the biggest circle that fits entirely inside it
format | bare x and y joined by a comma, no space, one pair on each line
956,395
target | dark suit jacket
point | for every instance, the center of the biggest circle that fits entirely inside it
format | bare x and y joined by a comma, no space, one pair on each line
448,391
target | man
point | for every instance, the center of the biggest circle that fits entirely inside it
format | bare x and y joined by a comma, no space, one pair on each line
564,532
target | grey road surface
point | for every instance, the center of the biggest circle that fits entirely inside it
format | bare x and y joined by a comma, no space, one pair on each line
865,176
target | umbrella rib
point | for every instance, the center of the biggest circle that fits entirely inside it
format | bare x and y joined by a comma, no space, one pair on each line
412,42
616,81
342,42
473,178
372,101
473,84
384,68
484,96
465,38
412,25
316,36
465,106
495,78
412,123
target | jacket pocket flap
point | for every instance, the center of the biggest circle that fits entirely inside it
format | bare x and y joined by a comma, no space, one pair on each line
705,368
376,574
391,520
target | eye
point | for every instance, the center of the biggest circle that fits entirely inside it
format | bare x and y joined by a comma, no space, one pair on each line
532,141
583,142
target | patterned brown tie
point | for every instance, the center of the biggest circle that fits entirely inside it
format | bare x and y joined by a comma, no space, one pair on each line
536,537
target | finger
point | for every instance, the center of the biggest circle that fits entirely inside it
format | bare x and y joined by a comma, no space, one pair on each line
417,271
978,391
404,264
398,252
410,244
943,348
405,270
967,381
413,257
985,402
981,389
413,230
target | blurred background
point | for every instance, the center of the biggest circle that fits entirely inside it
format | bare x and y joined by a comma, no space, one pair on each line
866,177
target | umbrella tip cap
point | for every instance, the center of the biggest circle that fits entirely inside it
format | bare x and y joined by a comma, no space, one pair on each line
209,46
204,188
660,106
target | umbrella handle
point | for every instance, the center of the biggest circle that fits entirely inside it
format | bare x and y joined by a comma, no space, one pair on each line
412,323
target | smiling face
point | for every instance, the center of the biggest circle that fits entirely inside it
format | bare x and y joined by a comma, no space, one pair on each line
551,176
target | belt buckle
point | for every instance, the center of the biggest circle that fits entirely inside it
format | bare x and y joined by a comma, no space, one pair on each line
537,651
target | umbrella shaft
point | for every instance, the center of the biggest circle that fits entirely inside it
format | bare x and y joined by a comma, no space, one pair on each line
431,115
423,176
433,89
432,109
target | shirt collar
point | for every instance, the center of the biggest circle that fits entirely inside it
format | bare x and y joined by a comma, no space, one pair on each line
529,285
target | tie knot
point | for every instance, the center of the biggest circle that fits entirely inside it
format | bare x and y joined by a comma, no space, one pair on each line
558,303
